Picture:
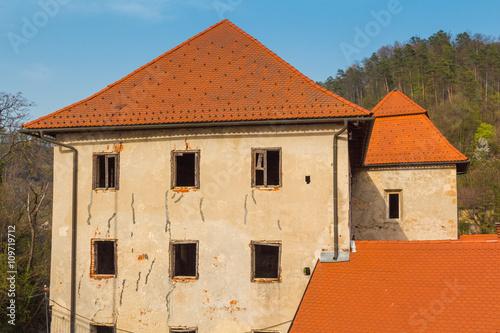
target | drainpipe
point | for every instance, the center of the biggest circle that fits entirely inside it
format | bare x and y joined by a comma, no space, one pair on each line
335,191
40,135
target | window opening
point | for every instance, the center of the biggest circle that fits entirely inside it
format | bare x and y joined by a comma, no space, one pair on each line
393,205
184,259
266,167
266,261
104,257
105,171
185,169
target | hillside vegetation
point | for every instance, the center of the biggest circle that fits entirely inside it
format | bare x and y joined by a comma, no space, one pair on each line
457,80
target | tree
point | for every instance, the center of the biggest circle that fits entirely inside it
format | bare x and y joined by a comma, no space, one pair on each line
25,204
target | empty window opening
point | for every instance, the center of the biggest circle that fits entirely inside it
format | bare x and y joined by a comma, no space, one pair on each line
185,169
266,261
184,259
96,328
105,171
104,257
308,179
266,167
393,205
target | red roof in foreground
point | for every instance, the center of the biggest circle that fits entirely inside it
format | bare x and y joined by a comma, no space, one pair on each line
395,103
418,286
409,139
221,74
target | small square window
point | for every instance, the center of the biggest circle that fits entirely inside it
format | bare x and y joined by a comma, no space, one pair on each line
184,330
266,261
102,328
266,167
186,169
393,198
103,258
105,171
184,260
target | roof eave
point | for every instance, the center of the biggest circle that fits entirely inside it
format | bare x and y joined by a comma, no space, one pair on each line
462,166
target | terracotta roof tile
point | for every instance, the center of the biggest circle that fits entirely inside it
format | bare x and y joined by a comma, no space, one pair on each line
406,287
395,103
409,139
221,74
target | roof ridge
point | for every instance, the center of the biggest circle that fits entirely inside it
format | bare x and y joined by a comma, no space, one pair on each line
433,241
109,86
283,62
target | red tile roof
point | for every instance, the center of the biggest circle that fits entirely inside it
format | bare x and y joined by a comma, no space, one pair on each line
395,103
221,74
409,139
417,286
403,133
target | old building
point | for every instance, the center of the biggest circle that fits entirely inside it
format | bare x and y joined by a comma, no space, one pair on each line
197,193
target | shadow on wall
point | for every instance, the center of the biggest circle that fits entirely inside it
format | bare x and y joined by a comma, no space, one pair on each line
369,210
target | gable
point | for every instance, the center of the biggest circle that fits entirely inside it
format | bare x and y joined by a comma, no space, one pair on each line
219,75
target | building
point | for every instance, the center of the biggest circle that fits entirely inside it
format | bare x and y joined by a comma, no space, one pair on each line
207,184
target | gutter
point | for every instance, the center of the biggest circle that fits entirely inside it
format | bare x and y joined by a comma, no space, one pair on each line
336,256
40,135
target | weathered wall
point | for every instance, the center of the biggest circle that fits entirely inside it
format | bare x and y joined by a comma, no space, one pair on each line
224,215
429,203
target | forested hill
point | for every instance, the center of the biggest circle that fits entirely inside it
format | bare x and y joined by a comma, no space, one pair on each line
457,80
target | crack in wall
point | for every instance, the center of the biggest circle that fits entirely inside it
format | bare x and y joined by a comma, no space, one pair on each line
123,288
137,283
253,197
133,209
167,225
173,196
80,283
109,222
279,226
90,206
95,314
179,199
149,272
201,212
246,210
167,299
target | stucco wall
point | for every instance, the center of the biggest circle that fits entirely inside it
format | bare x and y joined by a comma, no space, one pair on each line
224,215
428,206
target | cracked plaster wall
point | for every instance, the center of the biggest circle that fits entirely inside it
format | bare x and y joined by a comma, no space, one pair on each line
224,215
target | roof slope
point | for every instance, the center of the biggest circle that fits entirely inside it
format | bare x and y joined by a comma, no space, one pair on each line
403,133
395,103
409,139
221,74
418,286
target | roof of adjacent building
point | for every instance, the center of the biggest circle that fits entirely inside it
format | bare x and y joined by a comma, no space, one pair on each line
412,286
395,103
402,133
222,74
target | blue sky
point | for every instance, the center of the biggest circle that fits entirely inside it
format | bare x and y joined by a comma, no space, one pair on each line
57,52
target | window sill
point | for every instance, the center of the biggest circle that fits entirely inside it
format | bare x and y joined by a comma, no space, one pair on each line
102,276
185,278
266,280
185,189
